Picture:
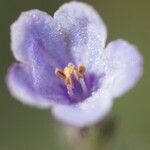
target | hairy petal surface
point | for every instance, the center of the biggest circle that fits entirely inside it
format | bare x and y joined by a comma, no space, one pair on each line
21,85
38,42
85,31
37,32
124,66
92,110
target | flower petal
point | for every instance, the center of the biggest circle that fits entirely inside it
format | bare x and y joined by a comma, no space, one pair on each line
38,42
124,66
89,112
22,86
85,31
37,32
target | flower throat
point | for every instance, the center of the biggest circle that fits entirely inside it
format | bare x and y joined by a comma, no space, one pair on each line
70,72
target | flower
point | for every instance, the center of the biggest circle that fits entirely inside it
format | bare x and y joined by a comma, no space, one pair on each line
63,63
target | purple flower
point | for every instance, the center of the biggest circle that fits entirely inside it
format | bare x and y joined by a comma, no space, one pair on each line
63,63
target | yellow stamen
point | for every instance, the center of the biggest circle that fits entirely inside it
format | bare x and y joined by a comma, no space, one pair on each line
80,71
68,71
69,82
60,73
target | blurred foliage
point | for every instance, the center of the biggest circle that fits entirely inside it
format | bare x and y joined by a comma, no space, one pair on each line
25,128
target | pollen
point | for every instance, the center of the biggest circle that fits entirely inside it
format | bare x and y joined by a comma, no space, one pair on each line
68,73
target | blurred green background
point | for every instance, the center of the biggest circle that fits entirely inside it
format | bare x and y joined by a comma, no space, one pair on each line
25,128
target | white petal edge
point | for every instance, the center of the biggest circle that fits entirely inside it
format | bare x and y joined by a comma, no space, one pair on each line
124,66
94,109
23,94
33,30
68,13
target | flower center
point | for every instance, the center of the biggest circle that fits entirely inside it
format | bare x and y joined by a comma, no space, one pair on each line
67,73
73,78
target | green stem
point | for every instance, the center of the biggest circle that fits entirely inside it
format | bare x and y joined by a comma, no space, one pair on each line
79,139
96,137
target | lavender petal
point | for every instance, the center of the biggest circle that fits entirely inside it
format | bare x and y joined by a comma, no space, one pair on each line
21,85
85,31
124,66
91,111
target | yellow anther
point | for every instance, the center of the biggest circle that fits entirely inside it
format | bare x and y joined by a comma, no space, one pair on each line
70,70
80,72
60,73
81,69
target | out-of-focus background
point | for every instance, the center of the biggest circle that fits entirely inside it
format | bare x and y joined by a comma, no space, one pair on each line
25,128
